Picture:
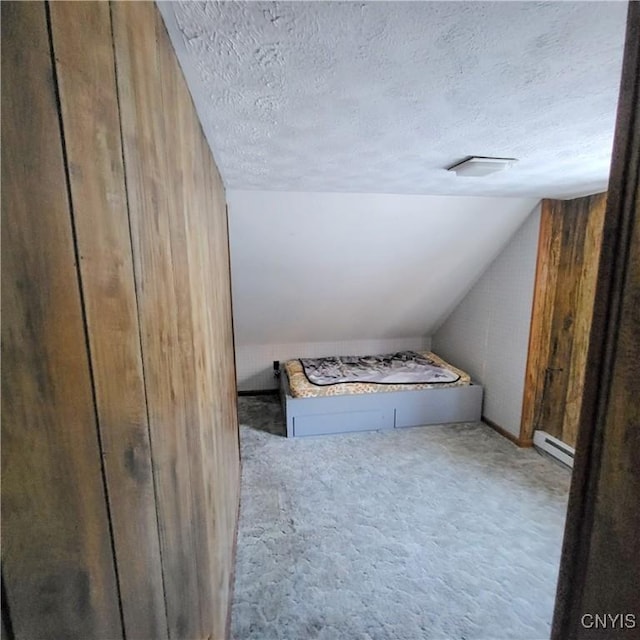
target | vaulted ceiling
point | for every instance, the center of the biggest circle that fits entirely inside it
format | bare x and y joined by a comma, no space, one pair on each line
381,97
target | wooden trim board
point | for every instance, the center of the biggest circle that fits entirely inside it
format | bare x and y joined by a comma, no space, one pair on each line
519,442
234,556
259,392
545,260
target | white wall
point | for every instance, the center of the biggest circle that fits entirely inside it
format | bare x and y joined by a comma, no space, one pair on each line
488,332
324,267
328,273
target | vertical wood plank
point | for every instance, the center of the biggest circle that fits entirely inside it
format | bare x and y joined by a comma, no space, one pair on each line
569,248
149,189
83,50
58,567
183,200
574,215
537,350
549,253
223,380
594,207
202,282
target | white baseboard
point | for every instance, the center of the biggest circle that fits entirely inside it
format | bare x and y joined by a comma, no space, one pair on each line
554,447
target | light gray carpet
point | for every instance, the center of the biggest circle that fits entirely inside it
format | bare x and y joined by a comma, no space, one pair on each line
432,532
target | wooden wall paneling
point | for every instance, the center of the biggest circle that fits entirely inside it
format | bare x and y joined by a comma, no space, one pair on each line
205,304
225,384
229,416
184,194
202,202
548,258
149,186
593,209
207,237
83,48
568,254
209,264
574,214
58,567
600,560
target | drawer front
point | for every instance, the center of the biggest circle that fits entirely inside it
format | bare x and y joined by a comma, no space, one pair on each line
313,425
440,406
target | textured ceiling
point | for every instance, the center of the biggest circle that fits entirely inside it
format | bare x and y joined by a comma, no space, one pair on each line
381,97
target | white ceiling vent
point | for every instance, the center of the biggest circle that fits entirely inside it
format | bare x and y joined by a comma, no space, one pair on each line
477,166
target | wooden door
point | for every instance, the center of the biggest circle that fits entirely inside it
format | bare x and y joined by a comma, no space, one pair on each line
568,257
600,566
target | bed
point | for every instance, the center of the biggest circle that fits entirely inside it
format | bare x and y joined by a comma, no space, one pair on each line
319,409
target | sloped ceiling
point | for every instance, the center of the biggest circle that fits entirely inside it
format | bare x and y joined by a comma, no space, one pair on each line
316,267
332,124
381,97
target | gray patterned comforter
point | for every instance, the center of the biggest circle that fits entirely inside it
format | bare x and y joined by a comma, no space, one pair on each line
404,367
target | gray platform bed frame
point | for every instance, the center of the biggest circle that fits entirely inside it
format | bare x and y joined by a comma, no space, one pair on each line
375,411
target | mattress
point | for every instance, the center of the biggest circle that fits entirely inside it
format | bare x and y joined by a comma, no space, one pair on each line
300,387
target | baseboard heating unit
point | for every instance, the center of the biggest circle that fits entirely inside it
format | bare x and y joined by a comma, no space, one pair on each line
554,447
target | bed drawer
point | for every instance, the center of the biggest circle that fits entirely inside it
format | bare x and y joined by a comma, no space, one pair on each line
440,406
324,423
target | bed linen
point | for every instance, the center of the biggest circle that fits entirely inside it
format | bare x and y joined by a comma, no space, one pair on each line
301,387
